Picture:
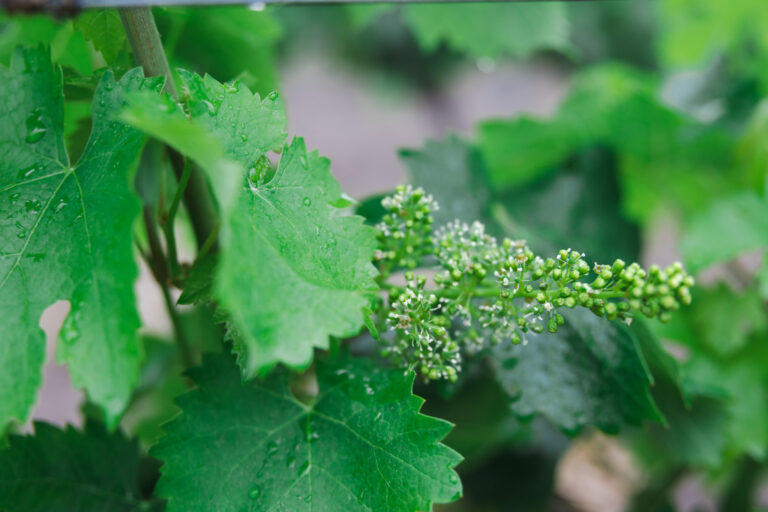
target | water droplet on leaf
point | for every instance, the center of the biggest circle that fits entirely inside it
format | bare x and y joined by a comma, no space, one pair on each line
35,127
255,493
32,206
307,201
26,173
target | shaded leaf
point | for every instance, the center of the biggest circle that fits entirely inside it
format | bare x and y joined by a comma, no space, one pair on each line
589,373
70,471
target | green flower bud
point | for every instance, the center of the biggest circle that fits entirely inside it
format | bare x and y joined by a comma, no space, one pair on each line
552,325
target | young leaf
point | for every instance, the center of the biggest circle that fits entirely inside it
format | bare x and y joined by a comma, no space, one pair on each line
491,29
361,446
71,471
729,227
307,268
103,28
67,233
590,373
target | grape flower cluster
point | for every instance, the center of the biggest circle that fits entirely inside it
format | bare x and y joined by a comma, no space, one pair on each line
487,291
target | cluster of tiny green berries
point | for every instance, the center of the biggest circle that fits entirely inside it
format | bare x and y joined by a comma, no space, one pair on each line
421,337
491,291
404,233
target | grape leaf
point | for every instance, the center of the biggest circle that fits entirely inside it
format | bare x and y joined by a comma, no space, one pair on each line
450,171
70,471
68,47
491,30
664,157
579,206
743,378
241,43
697,31
729,227
67,233
589,373
307,267
362,445
103,28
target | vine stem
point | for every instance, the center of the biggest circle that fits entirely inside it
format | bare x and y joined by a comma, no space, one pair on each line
144,38
148,51
491,291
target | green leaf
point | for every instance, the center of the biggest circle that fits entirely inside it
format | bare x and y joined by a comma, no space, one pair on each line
451,172
67,233
491,30
362,445
68,47
696,32
729,227
723,321
307,267
747,405
665,159
589,373
314,267
240,43
198,287
71,471
103,28
520,150
696,433
579,206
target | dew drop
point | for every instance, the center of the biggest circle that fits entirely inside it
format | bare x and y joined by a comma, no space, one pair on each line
243,137
304,469
307,201
303,161
32,206
26,173
15,196
290,461
35,127
272,95
22,230
211,107
254,493
272,448
60,204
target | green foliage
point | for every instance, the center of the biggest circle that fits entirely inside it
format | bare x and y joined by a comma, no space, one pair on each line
359,444
103,29
314,266
286,278
246,37
727,228
490,29
88,208
666,159
589,373
66,470
481,30
695,32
